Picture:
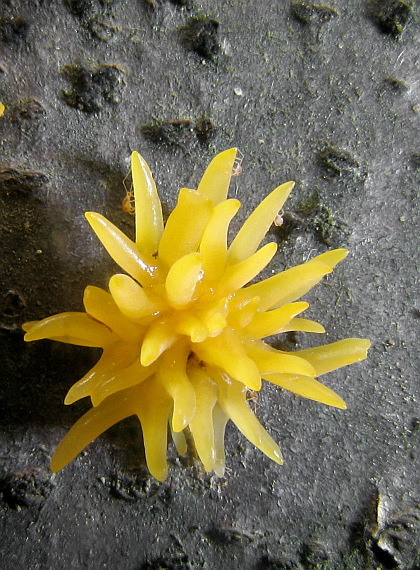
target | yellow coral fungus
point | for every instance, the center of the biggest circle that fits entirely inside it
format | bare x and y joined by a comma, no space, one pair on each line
180,330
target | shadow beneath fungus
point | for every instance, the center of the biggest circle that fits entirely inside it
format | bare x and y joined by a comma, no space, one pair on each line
34,379
37,392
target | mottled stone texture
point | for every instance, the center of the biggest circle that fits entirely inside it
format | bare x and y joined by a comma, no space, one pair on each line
325,94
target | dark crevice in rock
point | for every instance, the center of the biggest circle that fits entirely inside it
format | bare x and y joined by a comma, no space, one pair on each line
93,86
201,35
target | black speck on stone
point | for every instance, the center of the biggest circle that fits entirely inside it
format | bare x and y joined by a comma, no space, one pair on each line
31,110
26,489
224,535
385,558
315,554
310,13
91,14
12,305
338,162
391,15
101,30
415,426
20,182
331,230
13,29
93,86
204,129
202,36
415,159
86,9
397,545
131,486
176,563
83,9
290,341
173,133
396,85
182,3
279,563
291,224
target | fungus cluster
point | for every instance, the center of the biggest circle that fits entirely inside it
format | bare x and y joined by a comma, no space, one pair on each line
182,331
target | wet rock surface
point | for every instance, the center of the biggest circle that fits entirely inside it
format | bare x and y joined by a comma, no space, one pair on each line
324,94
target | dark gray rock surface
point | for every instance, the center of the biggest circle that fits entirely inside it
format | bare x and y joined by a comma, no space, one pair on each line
327,95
